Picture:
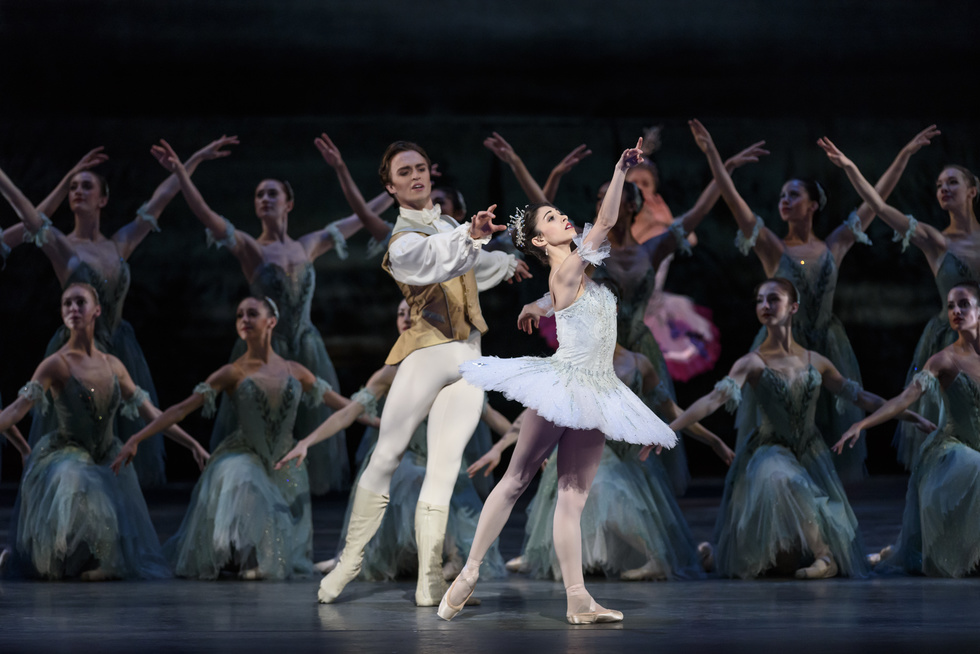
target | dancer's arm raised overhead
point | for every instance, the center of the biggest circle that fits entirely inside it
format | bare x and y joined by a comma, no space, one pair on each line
844,236
506,153
366,212
50,204
35,225
927,238
245,248
566,281
686,223
133,233
568,162
690,219
768,246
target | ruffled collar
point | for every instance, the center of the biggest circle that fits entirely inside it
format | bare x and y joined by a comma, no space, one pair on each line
421,216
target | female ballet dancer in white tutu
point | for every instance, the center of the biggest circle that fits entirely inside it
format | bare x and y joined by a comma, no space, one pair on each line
574,398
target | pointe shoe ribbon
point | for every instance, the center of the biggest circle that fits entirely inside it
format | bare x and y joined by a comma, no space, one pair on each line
447,610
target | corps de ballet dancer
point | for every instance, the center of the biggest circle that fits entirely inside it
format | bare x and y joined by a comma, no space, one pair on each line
86,255
244,515
940,534
812,265
280,267
73,517
953,255
784,508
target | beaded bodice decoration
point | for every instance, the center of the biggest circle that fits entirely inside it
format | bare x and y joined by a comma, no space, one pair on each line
587,330
787,407
266,418
292,293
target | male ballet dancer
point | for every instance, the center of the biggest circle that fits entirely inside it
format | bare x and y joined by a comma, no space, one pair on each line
440,267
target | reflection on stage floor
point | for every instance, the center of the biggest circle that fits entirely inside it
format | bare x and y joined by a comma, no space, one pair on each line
517,614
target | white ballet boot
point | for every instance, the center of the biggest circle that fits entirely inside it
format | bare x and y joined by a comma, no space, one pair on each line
430,532
365,518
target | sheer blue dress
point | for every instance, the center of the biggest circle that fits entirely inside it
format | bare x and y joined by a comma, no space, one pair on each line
72,512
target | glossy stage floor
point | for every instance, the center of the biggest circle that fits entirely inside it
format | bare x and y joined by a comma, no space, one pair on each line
517,615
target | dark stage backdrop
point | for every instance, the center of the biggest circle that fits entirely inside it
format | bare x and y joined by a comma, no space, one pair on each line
80,74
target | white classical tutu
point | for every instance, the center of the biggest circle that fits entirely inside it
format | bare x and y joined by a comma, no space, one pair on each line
577,386
571,397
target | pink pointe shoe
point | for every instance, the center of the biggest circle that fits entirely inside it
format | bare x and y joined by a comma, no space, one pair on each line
447,610
596,615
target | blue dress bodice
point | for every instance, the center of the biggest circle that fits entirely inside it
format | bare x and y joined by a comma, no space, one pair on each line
265,419
292,293
787,409
85,418
816,282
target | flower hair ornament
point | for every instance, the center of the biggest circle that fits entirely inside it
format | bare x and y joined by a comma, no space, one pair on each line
516,227
272,305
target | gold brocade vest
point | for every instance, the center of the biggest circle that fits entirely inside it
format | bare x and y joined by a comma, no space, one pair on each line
441,313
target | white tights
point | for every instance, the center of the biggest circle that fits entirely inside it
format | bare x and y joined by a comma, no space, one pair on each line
579,453
428,382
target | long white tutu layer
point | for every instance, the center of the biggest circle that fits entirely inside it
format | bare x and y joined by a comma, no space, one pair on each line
571,396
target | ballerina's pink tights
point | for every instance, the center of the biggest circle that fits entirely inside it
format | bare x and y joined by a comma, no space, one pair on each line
579,453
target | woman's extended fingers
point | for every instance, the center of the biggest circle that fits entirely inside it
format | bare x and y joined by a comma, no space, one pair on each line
576,155
215,148
92,158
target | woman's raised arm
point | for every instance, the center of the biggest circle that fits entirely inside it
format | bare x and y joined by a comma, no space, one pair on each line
367,212
768,246
925,237
844,236
133,233
506,153
243,246
92,158
568,162
565,282
37,225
